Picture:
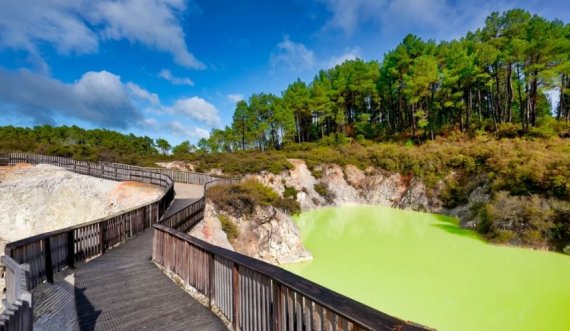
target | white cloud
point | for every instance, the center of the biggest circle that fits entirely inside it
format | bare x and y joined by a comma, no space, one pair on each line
97,97
167,75
347,14
438,18
151,122
78,26
23,24
349,54
235,97
141,93
293,56
198,109
178,129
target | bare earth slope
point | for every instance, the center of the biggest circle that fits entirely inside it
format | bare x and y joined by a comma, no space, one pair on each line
37,199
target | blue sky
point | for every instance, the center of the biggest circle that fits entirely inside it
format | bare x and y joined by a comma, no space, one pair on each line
175,68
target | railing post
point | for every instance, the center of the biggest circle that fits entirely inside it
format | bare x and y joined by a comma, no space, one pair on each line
102,236
48,262
235,297
71,248
276,307
27,313
212,280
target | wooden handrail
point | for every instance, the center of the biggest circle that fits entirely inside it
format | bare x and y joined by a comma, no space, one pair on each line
348,309
254,275
250,293
17,313
53,251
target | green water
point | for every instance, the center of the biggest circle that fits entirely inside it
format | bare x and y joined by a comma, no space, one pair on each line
424,268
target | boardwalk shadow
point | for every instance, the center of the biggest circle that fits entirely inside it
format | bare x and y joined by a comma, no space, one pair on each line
86,313
178,205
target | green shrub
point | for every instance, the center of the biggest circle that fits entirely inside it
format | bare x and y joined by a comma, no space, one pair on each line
290,192
542,132
560,232
229,227
517,219
317,173
323,191
454,193
508,130
242,198
289,206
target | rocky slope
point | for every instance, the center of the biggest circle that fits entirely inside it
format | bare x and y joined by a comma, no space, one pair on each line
44,198
37,199
271,235
267,234
351,186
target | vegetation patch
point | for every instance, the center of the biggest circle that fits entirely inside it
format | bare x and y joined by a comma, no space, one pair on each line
323,191
242,198
290,192
526,220
229,227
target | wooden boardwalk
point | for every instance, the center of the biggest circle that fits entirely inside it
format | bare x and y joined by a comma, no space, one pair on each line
124,290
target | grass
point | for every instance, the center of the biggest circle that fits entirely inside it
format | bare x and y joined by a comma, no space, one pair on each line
229,227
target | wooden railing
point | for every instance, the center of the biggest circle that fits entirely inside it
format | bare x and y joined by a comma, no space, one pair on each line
189,216
251,294
51,252
17,307
254,295
179,176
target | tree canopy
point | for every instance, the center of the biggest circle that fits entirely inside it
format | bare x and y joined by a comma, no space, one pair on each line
78,143
497,76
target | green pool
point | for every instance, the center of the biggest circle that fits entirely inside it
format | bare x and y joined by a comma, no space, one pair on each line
424,268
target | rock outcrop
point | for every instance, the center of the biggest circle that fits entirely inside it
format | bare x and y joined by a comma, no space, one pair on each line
270,235
210,229
351,185
267,234
176,165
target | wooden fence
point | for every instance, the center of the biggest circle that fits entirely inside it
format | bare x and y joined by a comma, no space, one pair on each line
251,294
178,176
47,253
189,216
255,295
51,252
17,313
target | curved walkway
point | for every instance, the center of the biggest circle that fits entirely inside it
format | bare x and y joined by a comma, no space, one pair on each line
124,290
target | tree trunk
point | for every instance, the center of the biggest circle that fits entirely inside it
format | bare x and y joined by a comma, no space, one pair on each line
521,103
534,97
497,101
413,121
492,111
509,84
468,106
243,133
479,105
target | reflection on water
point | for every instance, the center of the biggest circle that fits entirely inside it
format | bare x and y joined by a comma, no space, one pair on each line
425,268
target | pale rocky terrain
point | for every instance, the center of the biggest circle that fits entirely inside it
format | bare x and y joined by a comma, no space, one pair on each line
41,198
268,234
271,235
351,185
176,165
